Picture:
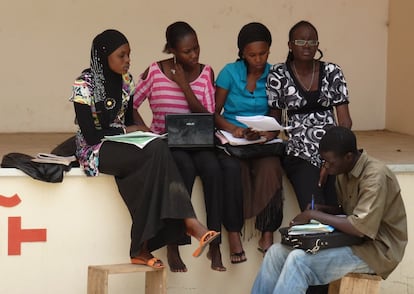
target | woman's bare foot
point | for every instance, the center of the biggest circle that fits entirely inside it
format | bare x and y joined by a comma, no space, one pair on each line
265,242
174,259
214,255
237,254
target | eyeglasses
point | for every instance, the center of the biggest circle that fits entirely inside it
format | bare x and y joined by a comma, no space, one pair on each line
333,162
325,163
304,42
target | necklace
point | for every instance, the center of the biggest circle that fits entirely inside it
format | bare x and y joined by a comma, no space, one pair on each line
300,81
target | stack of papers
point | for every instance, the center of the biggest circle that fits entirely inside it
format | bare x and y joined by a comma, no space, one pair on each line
138,138
311,228
52,158
261,123
227,137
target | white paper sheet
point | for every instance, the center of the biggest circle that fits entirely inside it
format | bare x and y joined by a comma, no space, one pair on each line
261,123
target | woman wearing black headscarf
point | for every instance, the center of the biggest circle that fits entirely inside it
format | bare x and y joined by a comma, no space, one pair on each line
147,178
240,91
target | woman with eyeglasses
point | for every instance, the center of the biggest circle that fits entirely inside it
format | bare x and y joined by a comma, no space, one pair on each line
308,92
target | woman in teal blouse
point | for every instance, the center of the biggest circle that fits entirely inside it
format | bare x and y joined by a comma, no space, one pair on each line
241,91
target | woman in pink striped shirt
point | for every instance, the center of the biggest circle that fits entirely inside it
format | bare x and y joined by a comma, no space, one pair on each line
182,85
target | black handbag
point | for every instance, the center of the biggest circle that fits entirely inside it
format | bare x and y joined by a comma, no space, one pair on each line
46,172
312,243
254,150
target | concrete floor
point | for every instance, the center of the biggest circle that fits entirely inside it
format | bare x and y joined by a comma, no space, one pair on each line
390,147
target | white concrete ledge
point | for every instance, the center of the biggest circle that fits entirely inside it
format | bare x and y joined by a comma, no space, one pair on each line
401,168
86,223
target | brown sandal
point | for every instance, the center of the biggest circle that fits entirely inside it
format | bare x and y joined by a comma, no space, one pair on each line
204,241
152,262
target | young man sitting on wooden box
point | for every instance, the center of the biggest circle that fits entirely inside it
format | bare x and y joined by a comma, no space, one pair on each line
369,194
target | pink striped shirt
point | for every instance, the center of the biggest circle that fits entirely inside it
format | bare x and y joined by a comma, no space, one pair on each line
165,96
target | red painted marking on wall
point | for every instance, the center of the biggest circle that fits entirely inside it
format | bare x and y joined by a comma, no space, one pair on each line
17,235
9,201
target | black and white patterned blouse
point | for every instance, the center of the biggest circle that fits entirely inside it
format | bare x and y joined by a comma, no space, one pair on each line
309,113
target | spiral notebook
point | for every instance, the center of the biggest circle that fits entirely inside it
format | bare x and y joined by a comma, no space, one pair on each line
190,130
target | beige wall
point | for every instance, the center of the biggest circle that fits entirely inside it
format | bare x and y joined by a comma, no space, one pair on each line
400,97
87,223
45,45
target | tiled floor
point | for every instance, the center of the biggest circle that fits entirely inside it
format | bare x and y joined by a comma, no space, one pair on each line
390,147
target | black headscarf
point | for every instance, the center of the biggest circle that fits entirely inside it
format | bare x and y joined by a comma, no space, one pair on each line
107,84
253,32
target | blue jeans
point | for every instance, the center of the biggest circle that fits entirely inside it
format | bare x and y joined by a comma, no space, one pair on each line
286,270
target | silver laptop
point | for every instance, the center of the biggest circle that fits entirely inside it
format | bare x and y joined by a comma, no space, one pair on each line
190,130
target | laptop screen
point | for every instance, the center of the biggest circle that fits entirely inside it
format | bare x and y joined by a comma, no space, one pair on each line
190,130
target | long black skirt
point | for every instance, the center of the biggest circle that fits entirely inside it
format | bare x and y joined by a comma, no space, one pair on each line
152,189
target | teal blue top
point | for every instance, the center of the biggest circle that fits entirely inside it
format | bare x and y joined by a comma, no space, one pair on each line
241,102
